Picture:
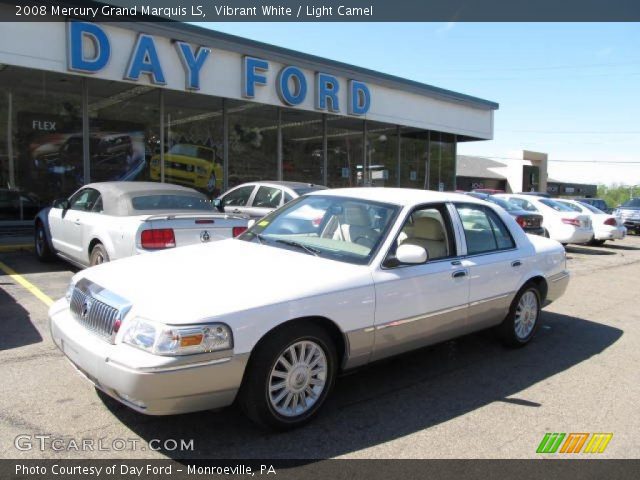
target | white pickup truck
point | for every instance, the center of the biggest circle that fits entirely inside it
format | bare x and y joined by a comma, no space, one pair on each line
110,220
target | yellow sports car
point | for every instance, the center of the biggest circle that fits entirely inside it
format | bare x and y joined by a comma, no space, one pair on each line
191,165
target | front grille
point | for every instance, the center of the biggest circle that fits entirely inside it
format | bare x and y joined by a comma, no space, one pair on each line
178,166
93,314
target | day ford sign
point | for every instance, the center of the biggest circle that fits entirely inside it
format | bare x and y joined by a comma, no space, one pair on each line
292,85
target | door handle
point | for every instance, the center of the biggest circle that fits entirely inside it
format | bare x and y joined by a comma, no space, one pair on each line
516,263
459,274
456,262
77,221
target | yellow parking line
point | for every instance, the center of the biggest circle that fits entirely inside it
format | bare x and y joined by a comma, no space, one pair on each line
15,247
35,291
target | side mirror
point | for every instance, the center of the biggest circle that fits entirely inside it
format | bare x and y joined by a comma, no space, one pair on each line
251,223
411,254
62,203
217,203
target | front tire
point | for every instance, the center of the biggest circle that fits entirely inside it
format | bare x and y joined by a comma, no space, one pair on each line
43,251
521,323
289,376
99,255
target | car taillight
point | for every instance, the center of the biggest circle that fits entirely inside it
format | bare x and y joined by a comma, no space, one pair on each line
571,221
158,238
611,221
238,230
316,221
521,221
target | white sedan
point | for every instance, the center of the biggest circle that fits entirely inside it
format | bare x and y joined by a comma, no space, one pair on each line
110,220
605,226
384,271
560,222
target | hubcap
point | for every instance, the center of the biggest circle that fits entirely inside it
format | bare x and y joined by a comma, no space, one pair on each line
298,378
526,315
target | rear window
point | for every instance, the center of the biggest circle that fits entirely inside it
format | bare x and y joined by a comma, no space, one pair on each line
170,202
302,190
558,207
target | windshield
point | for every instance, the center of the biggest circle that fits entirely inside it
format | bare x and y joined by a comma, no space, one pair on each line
558,207
338,228
191,151
171,202
634,202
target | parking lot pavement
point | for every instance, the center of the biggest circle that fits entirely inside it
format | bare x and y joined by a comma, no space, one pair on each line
468,398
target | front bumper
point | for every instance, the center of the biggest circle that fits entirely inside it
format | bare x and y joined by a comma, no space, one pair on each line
150,384
556,286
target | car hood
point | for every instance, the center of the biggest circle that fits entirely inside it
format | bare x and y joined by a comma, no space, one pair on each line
197,282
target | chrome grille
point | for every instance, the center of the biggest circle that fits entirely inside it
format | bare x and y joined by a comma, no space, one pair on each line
93,313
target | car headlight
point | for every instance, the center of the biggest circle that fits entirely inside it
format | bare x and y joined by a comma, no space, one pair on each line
201,170
160,339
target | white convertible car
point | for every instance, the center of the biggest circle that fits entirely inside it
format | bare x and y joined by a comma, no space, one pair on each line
376,272
110,220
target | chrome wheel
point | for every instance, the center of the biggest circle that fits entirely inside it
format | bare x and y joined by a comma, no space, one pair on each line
526,315
98,259
297,378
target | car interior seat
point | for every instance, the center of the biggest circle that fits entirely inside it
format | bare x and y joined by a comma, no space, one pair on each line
428,233
355,227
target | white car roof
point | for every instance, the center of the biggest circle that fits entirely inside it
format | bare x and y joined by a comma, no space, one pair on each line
398,196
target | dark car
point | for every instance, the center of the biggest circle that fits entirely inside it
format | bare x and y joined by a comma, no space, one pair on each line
629,213
599,203
530,222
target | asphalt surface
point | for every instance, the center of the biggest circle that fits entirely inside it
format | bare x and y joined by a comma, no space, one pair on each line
467,398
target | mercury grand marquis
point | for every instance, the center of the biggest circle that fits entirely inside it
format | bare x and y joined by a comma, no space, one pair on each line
367,273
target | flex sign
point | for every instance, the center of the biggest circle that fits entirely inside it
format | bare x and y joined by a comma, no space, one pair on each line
292,85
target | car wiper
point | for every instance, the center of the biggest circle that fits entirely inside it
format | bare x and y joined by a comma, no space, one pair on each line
306,248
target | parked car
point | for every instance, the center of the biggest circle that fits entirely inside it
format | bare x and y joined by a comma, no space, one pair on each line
258,199
191,165
629,213
536,194
605,226
599,203
110,220
389,270
530,222
559,221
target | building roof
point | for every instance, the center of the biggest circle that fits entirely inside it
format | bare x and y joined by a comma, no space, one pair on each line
204,36
477,167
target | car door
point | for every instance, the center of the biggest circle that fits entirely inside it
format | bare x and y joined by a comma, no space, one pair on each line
73,224
494,262
237,200
421,304
265,200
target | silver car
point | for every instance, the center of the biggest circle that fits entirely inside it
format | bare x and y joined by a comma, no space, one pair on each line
257,199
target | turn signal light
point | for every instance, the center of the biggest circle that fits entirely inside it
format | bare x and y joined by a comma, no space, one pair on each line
158,238
238,230
571,221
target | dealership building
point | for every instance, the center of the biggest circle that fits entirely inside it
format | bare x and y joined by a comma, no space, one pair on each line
171,102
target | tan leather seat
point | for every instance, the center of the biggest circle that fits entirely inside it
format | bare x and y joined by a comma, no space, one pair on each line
355,227
428,234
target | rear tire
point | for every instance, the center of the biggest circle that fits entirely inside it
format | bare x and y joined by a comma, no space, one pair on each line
521,323
99,255
43,251
282,390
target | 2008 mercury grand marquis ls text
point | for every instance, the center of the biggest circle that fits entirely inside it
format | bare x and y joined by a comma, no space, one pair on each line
333,280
